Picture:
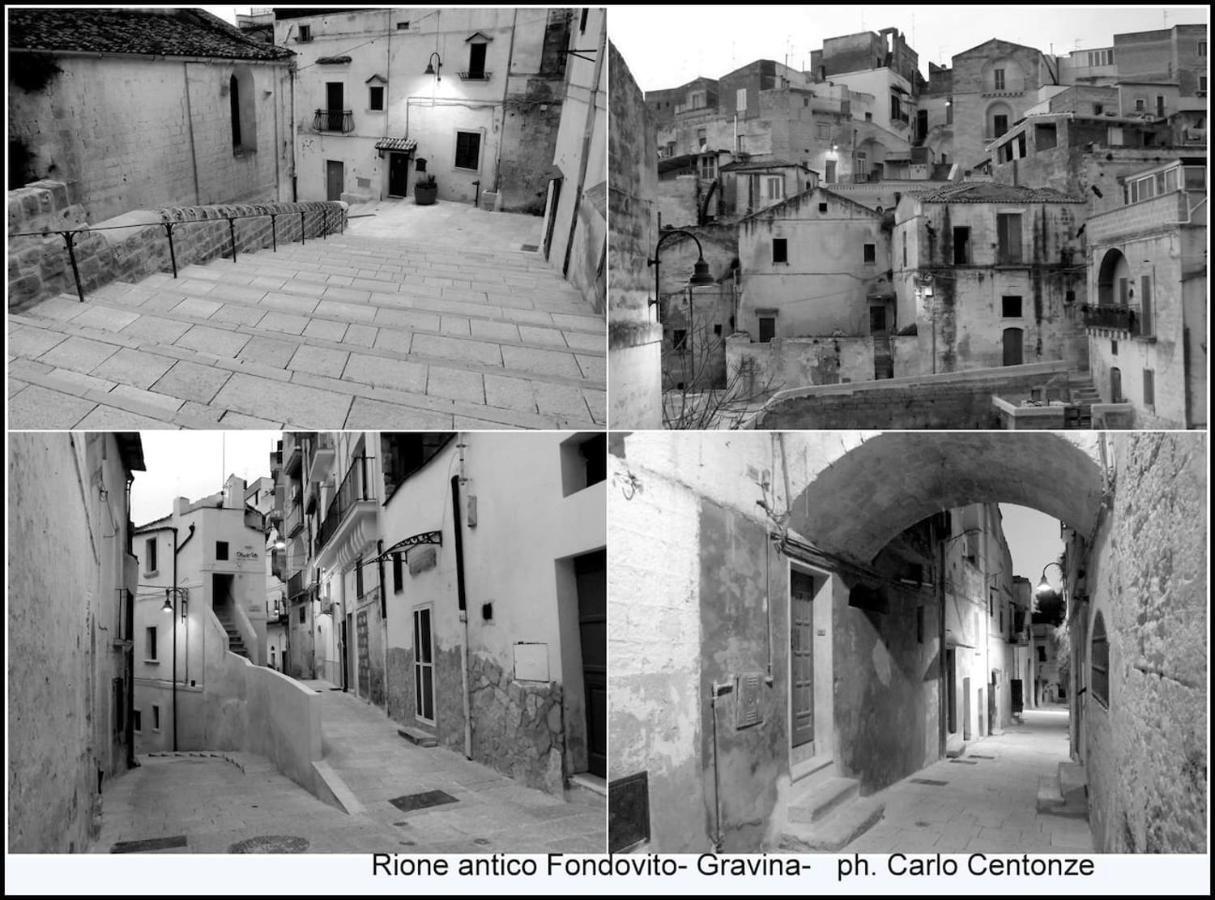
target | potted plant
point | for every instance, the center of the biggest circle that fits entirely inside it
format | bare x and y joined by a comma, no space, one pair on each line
425,190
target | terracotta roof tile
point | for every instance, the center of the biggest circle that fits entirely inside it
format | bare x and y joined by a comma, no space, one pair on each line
989,192
177,32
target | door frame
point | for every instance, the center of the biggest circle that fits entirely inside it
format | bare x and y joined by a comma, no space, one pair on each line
405,157
1004,347
823,752
429,609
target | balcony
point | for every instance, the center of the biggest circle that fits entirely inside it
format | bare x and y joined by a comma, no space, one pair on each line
475,76
355,489
278,564
294,522
339,120
295,585
293,455
322,458
1110,318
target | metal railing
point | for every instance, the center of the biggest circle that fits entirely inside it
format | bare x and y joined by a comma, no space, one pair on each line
475,76
354,488
333,120
295,585
70,235
1117,318
294,520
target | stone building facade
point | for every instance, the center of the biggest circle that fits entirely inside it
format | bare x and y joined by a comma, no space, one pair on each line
139,109
220,610
992,275
70,613
1147,276
634,333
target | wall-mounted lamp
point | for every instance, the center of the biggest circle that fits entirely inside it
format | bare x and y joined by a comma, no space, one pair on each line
700,269
434,66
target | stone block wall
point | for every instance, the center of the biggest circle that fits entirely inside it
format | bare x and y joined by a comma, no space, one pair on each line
1146,748
134,245
529,138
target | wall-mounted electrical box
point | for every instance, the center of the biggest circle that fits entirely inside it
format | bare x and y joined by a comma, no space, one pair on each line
470,516
747,696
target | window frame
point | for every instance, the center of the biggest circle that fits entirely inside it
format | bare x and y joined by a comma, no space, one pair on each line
457,156
998,80
1004,306
222,551
151,563
869,254
375,92
151,644
780,251
1099,672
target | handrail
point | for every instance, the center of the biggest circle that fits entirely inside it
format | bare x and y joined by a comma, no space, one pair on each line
70,235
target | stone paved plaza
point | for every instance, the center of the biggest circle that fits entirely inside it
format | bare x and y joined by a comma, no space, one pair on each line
213,803
988,802
418,318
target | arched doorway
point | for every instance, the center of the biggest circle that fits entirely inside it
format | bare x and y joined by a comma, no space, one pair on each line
1113,280
1014,339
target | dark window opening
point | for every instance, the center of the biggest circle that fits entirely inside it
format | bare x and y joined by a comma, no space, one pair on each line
1149,388
234,101
358,578
767,329
822,208
406,452
468,149
1008,236
870,253
221,550
717,330
679,339
961,246
303,614
999,125
1099,663
375,99
582,20
150,556
398,576
1010,307
1041,654
150,644
476,60
305,34
780,250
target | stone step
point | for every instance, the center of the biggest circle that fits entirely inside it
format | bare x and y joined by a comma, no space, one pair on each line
418,736
1050,800
586,789
834,832
1073,783
122,317
820,796
955,746
174,408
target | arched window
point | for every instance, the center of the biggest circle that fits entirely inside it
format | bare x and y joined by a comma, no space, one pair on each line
1099,663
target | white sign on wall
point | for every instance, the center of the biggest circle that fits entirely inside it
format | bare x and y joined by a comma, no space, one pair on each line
531,662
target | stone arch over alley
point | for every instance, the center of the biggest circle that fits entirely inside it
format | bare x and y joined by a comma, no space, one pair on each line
874,492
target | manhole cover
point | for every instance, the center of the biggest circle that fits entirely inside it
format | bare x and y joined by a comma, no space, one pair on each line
151,845
271,843
410,802
929,781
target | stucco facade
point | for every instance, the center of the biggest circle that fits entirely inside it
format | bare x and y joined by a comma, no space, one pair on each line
69,613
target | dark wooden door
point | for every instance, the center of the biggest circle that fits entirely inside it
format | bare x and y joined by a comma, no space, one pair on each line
951,692
552,216
1013,354
801,656
345,652
591,573
335,178
398,174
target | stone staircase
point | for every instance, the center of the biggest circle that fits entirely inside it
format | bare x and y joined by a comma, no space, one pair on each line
826,812
236,643
350,332
1065,794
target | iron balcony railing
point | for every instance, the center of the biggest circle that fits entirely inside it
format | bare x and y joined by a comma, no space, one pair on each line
475,76
295,585
354,488
1116,318
333,120
294,521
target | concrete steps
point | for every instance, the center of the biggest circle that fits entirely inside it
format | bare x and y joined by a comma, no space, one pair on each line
457,339
236,643
417,736
825,813
1066,793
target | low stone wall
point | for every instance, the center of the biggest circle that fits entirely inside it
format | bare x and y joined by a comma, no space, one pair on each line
517,726
283,723
134,245
953,400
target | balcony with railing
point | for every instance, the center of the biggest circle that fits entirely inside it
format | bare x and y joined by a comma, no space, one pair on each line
295,585
294,520
1111,318
475,76
339,120
355,491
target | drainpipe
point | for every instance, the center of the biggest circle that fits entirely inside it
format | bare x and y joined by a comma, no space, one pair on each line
942,689
458,527
715,691
185,74
592,103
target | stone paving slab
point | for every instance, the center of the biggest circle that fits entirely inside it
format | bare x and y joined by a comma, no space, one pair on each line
397,313
990,806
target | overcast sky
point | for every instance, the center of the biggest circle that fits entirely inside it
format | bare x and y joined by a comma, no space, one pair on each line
1033,539
666,46
194,464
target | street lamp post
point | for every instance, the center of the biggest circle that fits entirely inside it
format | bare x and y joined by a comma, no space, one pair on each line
700,269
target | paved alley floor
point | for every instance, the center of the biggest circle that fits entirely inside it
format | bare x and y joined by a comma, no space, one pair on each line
221,802
439,317
492,813
985,801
